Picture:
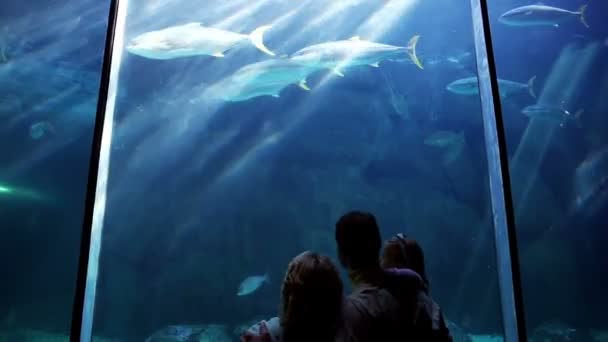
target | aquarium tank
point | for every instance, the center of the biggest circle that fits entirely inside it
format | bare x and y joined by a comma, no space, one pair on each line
162,161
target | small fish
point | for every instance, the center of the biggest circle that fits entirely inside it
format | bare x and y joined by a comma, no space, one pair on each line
398,101
251,284
552,113
444,139
355,51
266,78
458,61
541,15
469,86
40,129
451,144
193,39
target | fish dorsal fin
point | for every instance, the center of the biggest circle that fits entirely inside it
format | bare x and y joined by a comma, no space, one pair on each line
354,38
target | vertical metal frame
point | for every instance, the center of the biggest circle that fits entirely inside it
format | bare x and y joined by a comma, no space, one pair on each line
500,184
80,325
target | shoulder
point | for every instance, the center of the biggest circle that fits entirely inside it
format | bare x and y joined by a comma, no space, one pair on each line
263,331
370,302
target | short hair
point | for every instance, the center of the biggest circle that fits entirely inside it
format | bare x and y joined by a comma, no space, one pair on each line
401,251
358,240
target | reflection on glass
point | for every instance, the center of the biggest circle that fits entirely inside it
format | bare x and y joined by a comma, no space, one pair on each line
50,58
244,130
559,163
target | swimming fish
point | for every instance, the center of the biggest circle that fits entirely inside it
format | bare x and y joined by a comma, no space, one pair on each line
251,284
460,61
552,113
469,86
451,144
264,78
40,129
444,138
541,15
193,39
338,55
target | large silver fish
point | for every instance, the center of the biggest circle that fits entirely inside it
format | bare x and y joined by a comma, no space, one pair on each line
342,54
193,39
541,15
469,86
266,78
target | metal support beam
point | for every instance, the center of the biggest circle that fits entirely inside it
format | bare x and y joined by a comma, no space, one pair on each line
500,185
85,238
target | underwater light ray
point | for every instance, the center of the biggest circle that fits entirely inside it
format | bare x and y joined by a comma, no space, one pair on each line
525,163
53,104
251,153
246,12
330,13
194,9
272,138
244,160
385,18
39,155
562,86
37,30
336,27
39,49
183,11
282,21
233,167
161,150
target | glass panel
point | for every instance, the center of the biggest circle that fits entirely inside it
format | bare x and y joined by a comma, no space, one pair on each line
225,164
556,131
50,61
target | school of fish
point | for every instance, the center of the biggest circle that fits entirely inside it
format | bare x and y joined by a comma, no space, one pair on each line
268,77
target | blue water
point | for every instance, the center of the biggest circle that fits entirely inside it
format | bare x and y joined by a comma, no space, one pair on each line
204,193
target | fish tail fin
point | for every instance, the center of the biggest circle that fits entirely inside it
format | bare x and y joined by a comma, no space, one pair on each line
304,86
257,38
581,12
411,51
531,86
577,117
